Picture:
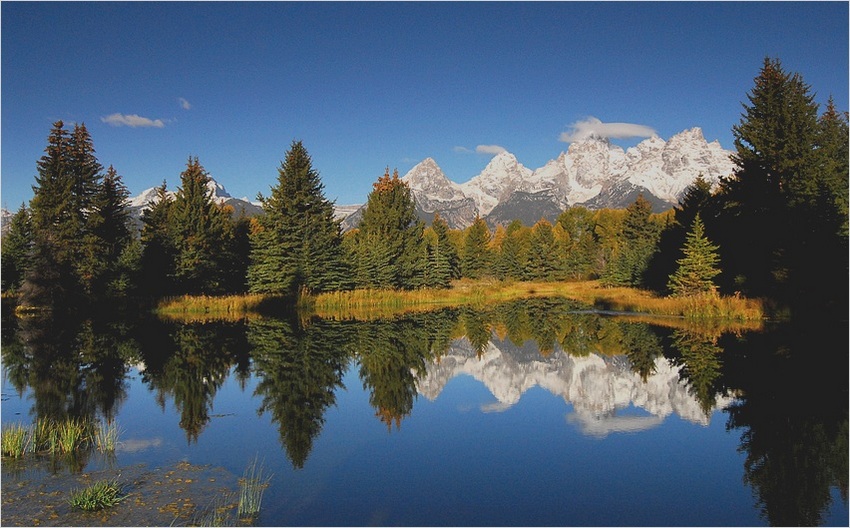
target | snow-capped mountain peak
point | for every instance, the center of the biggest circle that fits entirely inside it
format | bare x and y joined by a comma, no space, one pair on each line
499,179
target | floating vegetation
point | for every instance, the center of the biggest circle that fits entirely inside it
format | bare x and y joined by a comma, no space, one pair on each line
252,485
100,495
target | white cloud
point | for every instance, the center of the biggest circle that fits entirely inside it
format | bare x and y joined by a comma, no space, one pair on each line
463,150
184,104
132,121
594,127
489,149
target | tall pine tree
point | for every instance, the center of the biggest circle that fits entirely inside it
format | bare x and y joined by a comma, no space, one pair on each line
390,250
698,267
297,244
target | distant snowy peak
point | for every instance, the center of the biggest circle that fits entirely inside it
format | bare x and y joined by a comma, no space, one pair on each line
148,196
499,179
428,178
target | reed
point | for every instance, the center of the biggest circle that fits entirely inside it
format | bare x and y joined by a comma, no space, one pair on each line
106,436
252,485
100,495
72,434
15,440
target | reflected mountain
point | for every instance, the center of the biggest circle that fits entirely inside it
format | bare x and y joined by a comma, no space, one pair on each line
596,386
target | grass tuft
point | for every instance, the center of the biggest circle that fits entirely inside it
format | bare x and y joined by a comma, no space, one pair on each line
15,440
100,495
106,436
252,485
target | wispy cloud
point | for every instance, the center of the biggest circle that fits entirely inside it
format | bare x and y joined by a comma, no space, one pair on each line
184,104
132,121
489,149
594,127
481,149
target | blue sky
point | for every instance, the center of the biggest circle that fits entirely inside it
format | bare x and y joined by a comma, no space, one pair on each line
372,85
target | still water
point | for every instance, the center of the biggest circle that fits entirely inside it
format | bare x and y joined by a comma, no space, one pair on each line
534,413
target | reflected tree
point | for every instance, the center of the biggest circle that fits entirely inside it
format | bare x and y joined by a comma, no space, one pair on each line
792,416
191,366
701,365
391,354
300,368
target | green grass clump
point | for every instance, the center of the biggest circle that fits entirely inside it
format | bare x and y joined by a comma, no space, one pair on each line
72,435
106,436
251,487
100,495
15,440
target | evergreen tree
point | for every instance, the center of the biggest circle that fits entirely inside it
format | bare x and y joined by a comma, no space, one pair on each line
55,230
442,257
200,230
297,244
698,267
16,250
774,179
390,246
107,234
158,246
581,246
511,255
638,243
475,258
780,224
542,255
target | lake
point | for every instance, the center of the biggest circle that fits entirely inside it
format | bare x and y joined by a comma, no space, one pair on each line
532,413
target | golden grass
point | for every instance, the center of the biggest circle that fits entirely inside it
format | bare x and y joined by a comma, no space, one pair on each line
369,304
202,308
365,304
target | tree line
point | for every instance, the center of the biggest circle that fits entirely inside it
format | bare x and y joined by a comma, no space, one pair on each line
776,228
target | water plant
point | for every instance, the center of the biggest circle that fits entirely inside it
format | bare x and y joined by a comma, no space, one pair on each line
15,440
252,485
72,434
106,436
102,494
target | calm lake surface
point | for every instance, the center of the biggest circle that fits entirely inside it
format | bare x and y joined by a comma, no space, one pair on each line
534,413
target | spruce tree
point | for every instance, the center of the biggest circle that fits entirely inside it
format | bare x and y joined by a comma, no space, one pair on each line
542,254
638,241
297,243
200,230
442,257
698,267
158,246
16,250
55,229
475,257
390,245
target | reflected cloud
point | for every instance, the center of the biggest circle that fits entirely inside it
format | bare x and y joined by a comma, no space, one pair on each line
136,445
602,426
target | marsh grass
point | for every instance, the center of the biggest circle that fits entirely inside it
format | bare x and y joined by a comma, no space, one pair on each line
371,304
206,307
218,513
73,434
252,485
100,495
15,440
106,436
63,437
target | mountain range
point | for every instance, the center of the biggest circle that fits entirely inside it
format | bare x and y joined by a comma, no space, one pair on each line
593,173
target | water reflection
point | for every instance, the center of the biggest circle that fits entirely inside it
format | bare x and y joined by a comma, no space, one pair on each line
784,391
